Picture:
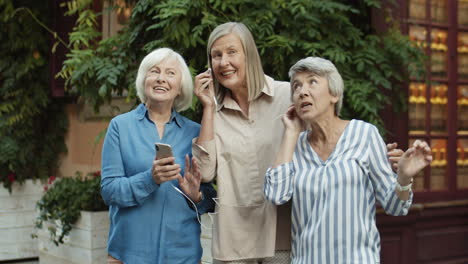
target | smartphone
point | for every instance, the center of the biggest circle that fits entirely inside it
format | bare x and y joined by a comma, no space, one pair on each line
163,150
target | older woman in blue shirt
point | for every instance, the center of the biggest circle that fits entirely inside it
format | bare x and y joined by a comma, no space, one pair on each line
150,221
335,172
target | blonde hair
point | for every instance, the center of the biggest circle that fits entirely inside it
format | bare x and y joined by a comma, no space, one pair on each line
184,99
255,78
323,68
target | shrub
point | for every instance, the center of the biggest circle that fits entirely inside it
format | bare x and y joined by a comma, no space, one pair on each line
32,125
64,199
374,66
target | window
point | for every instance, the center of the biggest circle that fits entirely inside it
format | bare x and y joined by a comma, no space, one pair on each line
438,108
114,17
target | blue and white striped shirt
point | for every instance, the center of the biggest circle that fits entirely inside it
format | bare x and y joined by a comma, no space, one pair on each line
334,201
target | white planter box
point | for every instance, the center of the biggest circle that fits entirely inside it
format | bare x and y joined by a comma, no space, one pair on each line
17,215
86,243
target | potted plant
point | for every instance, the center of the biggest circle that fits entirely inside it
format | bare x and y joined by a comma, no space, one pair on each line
73,221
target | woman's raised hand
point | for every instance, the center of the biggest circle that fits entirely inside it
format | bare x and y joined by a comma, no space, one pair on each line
190,183
204,88
164,170
413,161
291,121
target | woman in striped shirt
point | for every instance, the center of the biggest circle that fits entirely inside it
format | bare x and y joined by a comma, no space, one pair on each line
335,172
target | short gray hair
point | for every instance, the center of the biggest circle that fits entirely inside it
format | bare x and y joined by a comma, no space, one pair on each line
184,99
323,68
254,76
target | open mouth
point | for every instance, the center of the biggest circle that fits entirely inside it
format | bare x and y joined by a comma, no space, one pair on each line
162,89
305,105
227,73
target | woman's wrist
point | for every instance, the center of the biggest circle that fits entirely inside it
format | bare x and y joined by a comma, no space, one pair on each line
291,133
209,108
404,181
199,197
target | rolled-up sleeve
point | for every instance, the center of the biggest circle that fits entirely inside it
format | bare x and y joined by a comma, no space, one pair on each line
383,179
278,186
205,154
117,188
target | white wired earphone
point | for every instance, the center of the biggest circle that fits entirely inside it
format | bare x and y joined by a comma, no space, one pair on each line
196,210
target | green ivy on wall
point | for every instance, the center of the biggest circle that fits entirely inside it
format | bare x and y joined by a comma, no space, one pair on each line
285,31
32,125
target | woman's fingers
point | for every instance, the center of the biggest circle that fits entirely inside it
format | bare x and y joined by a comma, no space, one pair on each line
415,158
180,179
203,84
163,172
188,169
391,146
291,112
187,162
163,161
196,171
202,81
164,164
163,179
204,74
168,169
163,175
204,89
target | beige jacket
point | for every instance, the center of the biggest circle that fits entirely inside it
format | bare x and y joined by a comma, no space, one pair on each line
245,224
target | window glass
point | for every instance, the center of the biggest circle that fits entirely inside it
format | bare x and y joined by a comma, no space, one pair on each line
439,107
463,12
462,104
439,53
417,108
439,11
462,163
439,164
462,48
417,9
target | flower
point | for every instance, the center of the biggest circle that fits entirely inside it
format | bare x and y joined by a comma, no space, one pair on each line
51,179
97,173
36,55
11,177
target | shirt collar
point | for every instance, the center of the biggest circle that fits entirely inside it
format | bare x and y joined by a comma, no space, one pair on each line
228,102
142,112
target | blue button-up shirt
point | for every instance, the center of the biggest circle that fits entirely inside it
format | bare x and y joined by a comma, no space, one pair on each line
149,223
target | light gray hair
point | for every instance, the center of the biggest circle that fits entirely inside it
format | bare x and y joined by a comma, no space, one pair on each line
323,68
254,76
184,99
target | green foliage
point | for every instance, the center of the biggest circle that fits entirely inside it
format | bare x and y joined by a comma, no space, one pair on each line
63,201
373,67
32,126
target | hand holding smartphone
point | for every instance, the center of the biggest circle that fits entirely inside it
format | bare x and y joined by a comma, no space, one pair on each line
163,150
164,167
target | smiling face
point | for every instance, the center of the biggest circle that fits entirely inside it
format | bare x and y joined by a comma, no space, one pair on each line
162,82
228,61
311,96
